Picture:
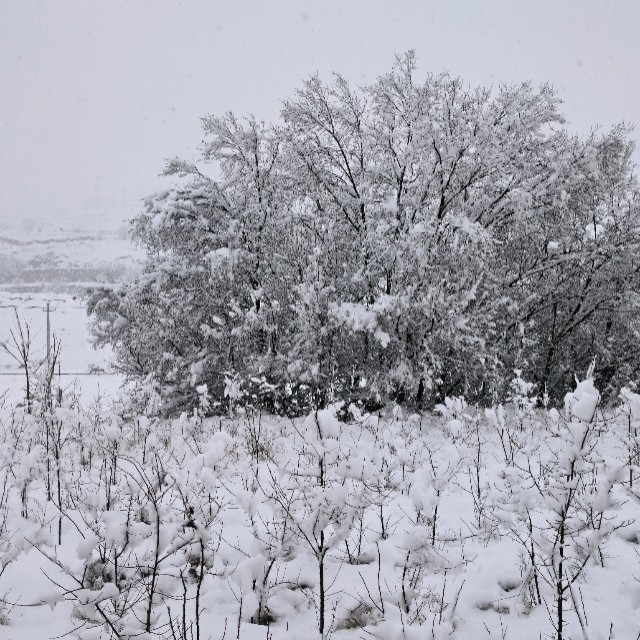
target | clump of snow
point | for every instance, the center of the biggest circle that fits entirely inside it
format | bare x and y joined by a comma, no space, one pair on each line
582,403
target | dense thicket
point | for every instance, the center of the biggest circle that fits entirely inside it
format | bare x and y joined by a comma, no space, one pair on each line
407,240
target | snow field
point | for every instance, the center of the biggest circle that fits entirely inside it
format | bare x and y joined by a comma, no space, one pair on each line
116,523
85,371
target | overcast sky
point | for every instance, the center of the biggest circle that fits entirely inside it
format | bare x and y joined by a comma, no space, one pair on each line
94,95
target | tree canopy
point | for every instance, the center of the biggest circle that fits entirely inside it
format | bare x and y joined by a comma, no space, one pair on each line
407,241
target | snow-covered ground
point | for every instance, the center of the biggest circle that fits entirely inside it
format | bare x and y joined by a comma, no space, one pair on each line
461,525
52,265
68,322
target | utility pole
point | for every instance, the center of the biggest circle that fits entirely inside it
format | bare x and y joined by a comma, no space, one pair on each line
50,362
48,336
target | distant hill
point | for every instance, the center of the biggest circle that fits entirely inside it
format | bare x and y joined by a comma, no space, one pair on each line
65,260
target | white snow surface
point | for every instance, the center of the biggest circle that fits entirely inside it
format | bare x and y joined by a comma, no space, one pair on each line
420,539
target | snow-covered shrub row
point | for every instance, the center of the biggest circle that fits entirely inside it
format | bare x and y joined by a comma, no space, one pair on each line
406,241
511,522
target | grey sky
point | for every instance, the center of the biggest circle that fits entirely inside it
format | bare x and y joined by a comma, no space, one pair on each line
94,94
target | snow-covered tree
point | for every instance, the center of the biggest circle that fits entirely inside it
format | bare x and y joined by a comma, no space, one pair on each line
409,240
